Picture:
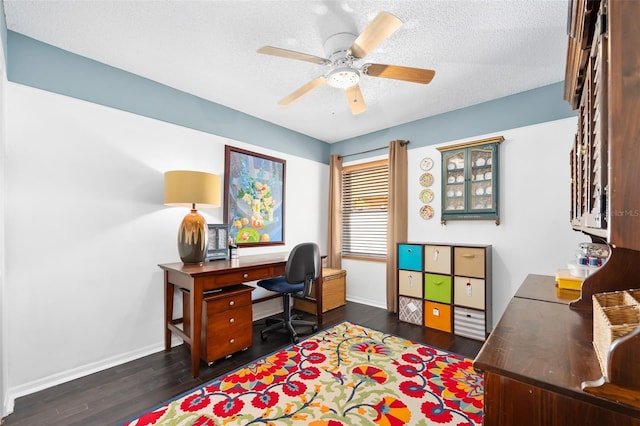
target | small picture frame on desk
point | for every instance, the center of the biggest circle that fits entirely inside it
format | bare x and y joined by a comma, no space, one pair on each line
217,246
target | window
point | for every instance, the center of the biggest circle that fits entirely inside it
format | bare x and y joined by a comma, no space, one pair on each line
365,200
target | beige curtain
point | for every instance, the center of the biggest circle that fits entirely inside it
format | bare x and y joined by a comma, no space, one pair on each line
397,217
334,225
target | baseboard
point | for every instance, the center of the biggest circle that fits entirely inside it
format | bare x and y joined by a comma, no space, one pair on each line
369,302
66,376
7,407
260,310
267,308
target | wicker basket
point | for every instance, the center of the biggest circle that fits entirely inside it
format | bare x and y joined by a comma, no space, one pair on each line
615,315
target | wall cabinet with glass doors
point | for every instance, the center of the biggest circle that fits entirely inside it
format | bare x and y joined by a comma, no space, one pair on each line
470,180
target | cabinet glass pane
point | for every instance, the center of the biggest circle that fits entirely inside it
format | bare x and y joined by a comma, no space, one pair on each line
482,197
455,191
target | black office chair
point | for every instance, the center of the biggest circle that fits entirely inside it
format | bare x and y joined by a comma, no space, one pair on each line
303,267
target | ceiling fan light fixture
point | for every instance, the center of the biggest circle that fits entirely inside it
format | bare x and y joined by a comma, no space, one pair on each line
342,78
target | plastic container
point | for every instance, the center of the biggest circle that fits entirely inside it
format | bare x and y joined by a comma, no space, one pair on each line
567,281
580,271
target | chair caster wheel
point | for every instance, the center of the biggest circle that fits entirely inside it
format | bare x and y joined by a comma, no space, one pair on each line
263,336
295,339
314,328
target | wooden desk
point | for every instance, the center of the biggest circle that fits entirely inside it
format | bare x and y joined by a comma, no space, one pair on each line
535,361
211,276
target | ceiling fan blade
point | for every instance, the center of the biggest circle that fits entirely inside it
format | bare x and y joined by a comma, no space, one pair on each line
291,54
355,99
302,90
414,75
376,32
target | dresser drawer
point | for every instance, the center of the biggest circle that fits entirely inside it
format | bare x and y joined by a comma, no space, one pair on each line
468,292
437,315
410,283
410,310
437,288
469,323
410,257
469,262
437,259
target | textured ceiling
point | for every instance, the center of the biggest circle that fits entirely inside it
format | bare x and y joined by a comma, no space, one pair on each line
480,50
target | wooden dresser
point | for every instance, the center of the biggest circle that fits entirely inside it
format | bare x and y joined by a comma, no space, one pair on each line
539,362
535,361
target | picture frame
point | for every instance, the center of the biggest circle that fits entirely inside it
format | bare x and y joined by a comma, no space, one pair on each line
218,241
254,197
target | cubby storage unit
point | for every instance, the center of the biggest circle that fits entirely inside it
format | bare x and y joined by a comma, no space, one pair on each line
446,287
410,303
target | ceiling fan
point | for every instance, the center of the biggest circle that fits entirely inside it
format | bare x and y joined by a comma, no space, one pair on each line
342,50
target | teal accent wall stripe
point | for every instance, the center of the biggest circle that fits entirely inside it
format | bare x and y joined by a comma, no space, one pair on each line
33,63
46,67
522,109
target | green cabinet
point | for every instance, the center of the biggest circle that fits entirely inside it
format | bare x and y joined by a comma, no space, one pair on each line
470,180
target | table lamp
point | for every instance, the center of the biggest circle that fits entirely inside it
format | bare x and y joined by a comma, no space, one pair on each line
191,189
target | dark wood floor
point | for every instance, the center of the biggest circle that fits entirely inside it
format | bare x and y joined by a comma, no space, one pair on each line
113,395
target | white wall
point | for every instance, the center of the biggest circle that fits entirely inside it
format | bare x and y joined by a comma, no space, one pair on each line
534,235
3,301
86,228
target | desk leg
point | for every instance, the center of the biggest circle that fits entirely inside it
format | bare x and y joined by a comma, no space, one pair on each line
195,306
168,311
319,307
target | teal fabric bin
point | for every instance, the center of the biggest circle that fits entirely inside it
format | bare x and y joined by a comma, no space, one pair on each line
410,257
437,288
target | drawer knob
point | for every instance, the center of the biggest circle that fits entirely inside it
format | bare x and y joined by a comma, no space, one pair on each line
246,275
232,320
232,302
232,341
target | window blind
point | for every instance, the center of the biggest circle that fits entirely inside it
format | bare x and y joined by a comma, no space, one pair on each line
365,199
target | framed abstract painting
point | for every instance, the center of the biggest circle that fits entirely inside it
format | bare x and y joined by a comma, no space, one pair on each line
254,197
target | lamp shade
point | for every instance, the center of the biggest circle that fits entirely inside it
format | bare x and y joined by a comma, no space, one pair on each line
192,189
185,188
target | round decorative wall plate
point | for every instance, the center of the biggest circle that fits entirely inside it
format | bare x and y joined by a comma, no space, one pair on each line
426,179
426,196
426,212
426,164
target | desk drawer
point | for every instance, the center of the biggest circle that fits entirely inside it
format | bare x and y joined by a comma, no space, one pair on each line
224,301
245,276
227,322
227,332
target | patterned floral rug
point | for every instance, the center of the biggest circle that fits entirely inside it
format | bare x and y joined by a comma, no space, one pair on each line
346,375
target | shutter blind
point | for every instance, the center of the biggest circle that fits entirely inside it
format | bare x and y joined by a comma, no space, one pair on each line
364,209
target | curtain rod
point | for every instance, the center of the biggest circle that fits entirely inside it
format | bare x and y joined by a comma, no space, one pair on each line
371,150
